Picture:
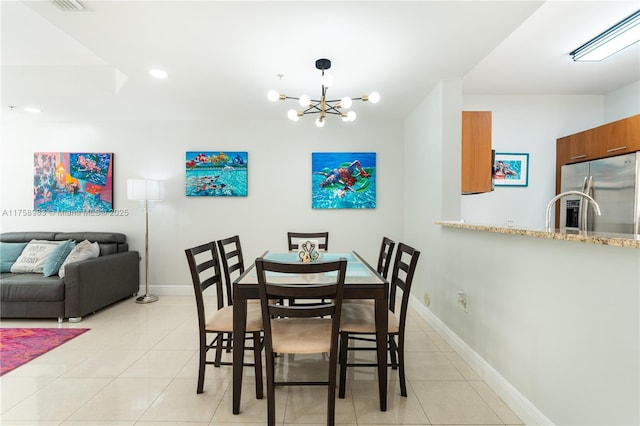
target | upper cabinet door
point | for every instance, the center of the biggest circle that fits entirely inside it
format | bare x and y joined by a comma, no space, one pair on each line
619,137
476,152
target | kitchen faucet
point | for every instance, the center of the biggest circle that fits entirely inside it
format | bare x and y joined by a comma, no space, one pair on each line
596,207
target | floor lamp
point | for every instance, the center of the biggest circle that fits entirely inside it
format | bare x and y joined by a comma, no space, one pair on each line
145,190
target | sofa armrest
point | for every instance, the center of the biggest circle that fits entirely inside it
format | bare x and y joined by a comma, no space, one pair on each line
95,283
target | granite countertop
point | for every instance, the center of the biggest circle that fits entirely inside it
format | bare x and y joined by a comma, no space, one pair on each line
618,240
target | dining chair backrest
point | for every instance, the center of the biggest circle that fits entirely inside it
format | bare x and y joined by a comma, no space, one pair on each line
313,285
204,265
232,262
404,267
294,239
385,256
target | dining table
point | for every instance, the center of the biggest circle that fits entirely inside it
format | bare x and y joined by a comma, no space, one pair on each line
361,282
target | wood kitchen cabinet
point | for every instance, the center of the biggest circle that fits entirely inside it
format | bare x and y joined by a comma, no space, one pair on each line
476,152
618,137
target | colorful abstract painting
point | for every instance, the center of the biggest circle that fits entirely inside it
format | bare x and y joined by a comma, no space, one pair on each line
73,182
343,180
216,174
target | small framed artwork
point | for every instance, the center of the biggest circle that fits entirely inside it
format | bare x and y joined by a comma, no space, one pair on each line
216,173
343,180
511,169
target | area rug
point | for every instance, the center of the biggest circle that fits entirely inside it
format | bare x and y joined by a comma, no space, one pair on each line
20,345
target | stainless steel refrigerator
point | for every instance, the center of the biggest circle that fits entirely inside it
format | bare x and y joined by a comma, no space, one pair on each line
614,183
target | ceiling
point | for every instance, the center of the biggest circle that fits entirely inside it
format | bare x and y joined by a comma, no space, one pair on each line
223,57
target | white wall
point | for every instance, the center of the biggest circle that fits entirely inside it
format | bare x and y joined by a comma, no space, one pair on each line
622,103
279,155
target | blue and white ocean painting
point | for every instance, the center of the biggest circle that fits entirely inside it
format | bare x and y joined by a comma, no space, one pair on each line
216,174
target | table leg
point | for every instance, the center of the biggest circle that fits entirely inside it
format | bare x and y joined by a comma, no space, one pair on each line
381,339
239,328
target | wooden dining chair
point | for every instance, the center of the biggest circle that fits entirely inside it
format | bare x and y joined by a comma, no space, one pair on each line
294,239
215,329
358,320
308,329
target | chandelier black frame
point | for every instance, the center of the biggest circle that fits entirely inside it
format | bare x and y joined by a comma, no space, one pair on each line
323,106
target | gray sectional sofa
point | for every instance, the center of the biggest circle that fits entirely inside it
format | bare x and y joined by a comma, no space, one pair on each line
87,286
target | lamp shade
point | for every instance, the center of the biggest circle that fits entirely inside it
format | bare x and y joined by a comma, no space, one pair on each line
145,189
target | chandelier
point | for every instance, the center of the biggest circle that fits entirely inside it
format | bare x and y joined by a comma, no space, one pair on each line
323,106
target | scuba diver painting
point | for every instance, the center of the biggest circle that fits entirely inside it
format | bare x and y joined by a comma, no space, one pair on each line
343,180
216,174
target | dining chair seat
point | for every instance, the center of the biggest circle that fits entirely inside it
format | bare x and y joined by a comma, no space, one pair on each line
222,319
286,335
359,318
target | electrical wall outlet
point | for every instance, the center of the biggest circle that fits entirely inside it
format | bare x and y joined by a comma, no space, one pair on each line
462,300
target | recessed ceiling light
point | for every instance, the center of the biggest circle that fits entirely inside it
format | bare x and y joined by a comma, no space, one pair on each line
32,110
158,73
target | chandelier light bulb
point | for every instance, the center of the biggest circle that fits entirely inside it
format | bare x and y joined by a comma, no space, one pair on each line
327,80
304,101
351,116
346,102
319,122
374,97
273,95
293,115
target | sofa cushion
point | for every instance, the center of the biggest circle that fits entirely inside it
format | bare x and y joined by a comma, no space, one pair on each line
82,251
9,253
34,256
31,288
57,257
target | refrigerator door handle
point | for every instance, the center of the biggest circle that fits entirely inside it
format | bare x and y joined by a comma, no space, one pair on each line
584,205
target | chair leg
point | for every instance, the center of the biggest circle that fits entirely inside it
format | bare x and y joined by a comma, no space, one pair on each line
271,395
393,350
257,355
403,383
219,341
202,363
344,342
229,339
331,393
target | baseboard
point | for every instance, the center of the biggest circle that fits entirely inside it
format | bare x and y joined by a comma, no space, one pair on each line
168,290
520,405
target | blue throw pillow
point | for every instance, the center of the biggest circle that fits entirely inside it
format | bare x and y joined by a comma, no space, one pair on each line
9,253
57,257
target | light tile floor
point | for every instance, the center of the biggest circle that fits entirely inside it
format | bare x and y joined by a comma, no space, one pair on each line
138,366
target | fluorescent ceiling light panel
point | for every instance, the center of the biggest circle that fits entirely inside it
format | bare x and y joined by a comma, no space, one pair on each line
616,38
